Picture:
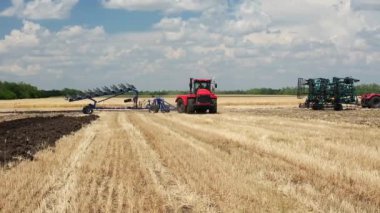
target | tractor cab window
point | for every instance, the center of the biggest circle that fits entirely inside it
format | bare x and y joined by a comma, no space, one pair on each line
202,85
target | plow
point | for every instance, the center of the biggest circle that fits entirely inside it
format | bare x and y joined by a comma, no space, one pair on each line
155,105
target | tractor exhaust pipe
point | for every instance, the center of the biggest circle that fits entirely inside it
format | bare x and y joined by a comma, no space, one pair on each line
191,85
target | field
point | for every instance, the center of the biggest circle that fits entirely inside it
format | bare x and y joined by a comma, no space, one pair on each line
259,154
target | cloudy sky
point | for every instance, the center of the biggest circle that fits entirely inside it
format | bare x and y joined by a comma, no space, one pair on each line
159,44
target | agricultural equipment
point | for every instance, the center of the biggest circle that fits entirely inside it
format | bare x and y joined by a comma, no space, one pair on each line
159,104
155,105
371,100
112,92
323,93
200,99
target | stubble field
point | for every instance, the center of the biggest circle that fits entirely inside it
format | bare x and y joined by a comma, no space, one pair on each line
259,154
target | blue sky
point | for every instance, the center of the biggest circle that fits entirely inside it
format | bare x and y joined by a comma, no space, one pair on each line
90,13
159,44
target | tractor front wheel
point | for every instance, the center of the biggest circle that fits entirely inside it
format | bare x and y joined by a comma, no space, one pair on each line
180,106
190,106
214,108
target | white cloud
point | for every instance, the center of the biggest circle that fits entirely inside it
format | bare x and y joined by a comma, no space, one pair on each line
365,4
160,5
170,24
26,70
269,39
243,44
40,9
28,36
248,18
72,32
172,53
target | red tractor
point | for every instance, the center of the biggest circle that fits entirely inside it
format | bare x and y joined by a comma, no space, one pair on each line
200,98
371,100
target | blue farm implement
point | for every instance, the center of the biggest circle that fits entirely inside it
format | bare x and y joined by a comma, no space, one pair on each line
159,104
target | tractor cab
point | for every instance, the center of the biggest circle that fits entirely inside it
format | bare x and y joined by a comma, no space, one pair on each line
196,84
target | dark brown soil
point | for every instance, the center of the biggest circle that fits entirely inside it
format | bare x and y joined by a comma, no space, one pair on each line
22,138
8,116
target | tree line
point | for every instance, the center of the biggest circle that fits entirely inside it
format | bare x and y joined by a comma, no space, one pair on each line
21,90
360,90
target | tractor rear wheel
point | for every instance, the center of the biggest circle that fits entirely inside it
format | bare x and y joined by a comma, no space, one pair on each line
190,106
214,108
374,102
180,106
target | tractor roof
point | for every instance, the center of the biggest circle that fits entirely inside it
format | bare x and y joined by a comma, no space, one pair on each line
201,79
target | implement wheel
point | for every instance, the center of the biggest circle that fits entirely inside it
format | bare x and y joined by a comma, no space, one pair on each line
154,108
87,110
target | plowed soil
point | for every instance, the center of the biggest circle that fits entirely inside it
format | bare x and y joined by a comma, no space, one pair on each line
22,138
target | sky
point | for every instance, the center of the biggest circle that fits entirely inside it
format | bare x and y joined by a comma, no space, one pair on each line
160,44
